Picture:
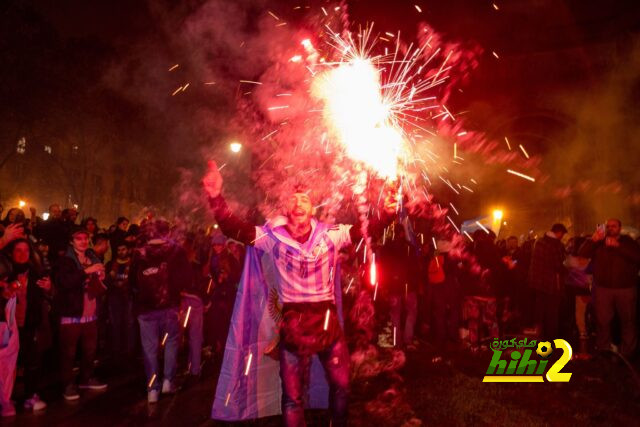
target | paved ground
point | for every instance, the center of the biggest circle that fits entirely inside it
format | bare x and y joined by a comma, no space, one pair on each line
449,392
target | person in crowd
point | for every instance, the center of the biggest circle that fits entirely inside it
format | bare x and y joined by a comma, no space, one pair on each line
91,225
616,261
484,293
159,270
78,278
54,233
397,274
13,215
224,270
579,282
70,216
237,250
43,251
194,298
120,233
546,278
514,282
9,338
120,304
132,235
444,295
101,248
32,316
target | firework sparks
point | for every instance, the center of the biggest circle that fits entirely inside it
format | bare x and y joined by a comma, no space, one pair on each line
186,318
152,380
246,370
373,274
521,175
479,224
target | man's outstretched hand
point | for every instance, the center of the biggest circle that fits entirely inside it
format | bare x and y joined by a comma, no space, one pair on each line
212,181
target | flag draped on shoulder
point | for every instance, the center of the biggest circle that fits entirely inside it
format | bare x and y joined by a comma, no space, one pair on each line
249,383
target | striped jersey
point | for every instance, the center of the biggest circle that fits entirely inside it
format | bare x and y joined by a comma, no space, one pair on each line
305,271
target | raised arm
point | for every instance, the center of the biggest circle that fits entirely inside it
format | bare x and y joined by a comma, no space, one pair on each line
230,225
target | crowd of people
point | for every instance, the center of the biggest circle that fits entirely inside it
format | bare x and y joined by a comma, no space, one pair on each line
80,295
553,286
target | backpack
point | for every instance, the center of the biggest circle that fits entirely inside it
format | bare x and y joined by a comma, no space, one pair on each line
153,283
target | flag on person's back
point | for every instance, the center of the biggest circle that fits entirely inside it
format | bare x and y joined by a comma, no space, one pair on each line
249,383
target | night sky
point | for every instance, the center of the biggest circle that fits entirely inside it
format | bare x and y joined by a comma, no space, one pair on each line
100,68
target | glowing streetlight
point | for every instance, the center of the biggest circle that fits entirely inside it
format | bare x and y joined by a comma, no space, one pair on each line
22,204
235,147
497,214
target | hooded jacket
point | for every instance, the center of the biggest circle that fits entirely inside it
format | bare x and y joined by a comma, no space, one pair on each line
613,267
162,295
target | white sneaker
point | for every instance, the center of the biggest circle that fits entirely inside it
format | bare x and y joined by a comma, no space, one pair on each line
168,387
152,396
34,404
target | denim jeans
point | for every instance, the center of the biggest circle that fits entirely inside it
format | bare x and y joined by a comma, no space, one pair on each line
194,330
294,373
153,327
410,303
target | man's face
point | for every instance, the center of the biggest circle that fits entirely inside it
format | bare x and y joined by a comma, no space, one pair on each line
612,228
123,252
20,254
299,209
123,225
80,242
101,247
55,212
73,215
512,244
43,249
91,226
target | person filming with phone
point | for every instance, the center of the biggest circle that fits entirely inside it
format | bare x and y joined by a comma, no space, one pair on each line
616,261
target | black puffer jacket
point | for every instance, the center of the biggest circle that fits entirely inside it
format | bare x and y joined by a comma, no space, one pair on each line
613,267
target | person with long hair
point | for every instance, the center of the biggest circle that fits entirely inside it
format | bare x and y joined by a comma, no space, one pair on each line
32,314
9,344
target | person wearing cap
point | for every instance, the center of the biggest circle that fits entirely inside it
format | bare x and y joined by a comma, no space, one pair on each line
616,261
546,278
78,278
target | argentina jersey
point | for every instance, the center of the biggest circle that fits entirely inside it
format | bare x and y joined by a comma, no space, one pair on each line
305,271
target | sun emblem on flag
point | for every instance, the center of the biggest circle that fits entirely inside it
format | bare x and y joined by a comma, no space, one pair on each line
275,308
